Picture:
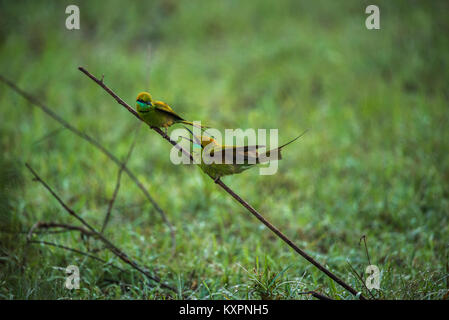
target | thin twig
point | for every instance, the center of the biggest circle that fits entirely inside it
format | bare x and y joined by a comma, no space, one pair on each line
317,295
359,277
232,193
76,251
117,184
366,248
25,232
49,135
49,225
110,246
34,101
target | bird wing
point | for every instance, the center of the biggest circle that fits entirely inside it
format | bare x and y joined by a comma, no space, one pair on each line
248,148
247,153
232,153
163,107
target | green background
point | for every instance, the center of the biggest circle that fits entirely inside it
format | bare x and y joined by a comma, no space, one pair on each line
375,161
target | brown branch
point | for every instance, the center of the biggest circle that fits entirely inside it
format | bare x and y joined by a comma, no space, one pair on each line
232,193
27,231
366,248
115,250
117,184
49,135
34,101
65,227
134,112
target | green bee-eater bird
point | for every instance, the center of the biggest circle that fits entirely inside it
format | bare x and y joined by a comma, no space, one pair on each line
228,164
157,113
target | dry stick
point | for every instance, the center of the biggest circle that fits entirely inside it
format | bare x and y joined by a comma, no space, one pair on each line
49,135
117,185
317,295
96,144
232,193
67,227
366,248
112,247
359,277
28,231
49,225
76,251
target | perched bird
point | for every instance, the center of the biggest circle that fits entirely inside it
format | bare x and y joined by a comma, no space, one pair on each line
227,156
158,113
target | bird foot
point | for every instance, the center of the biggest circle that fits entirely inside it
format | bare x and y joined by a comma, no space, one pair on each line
217,179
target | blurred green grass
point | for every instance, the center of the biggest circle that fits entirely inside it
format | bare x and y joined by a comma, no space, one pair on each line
375,161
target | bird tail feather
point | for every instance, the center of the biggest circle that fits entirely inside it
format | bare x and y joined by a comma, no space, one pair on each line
194,124
278,149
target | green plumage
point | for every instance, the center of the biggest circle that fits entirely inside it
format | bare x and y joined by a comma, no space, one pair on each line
228,156
157,113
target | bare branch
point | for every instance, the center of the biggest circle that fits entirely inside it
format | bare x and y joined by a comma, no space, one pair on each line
317,295
117,185
232,193
110,246
366,248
